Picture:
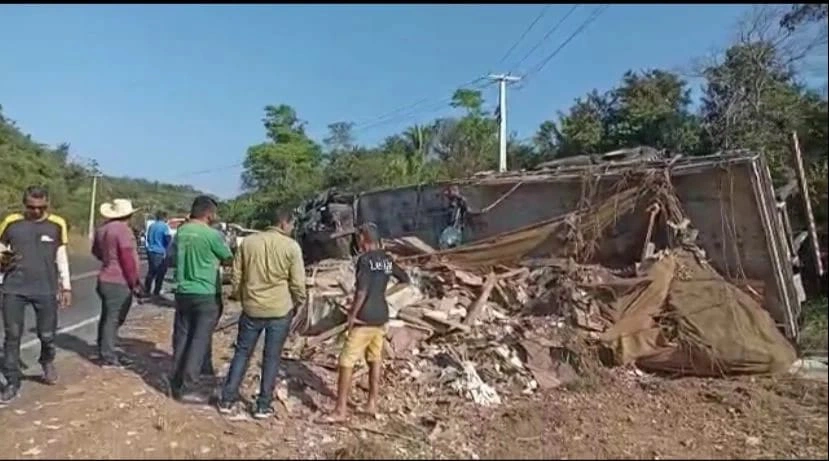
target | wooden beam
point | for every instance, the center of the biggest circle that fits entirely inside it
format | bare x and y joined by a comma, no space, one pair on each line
807,204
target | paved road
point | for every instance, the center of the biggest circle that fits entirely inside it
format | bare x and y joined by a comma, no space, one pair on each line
81,317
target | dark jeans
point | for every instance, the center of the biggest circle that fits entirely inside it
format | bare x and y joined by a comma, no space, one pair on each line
276,332
156,270
14,310
195,320
207,366
116,300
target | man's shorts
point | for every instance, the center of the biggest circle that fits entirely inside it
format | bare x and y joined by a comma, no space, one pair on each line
363,341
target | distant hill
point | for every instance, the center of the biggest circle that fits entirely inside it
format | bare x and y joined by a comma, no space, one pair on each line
25,162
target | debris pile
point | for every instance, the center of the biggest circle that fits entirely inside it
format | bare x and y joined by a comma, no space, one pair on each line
536,308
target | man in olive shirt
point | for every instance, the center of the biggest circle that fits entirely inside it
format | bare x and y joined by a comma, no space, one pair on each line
199,250
269,280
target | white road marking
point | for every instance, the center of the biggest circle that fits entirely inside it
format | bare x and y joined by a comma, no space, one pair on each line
68,328
84,275
65,329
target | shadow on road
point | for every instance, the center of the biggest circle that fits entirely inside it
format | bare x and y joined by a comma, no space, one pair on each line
157,300
143,357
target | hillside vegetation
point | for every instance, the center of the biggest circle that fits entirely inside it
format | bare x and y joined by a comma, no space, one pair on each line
25,162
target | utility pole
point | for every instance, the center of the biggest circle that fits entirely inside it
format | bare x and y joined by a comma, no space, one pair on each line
95,175
502,116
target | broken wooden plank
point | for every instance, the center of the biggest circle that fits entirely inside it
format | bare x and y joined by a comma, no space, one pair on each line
443,321
807,204
324,336
414,320
468,278
513,273
479,303
416,244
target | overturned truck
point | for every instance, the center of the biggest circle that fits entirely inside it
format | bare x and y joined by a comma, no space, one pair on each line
730,200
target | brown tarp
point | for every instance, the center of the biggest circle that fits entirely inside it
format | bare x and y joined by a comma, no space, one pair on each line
563,235
682,318
688,320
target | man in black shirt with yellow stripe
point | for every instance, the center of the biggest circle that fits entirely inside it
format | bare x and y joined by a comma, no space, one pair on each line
367,319
39,275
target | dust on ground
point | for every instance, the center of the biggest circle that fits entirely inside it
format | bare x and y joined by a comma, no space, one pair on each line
622,413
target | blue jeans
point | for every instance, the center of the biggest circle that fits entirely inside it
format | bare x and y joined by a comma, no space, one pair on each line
156,270
276,333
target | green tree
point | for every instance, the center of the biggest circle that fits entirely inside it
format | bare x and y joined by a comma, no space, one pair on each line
651,108
584,129
545,139
285,169
340,137
469,143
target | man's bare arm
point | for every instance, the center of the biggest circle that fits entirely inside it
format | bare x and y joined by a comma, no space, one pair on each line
356,306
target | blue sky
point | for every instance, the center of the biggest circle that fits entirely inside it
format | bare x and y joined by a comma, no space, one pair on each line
166,92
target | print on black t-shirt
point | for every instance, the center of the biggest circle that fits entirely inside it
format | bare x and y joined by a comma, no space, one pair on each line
373,271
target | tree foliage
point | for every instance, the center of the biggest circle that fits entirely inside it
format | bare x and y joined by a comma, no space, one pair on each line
649,108
24,162
802,13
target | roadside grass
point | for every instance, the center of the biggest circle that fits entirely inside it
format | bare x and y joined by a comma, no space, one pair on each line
815,326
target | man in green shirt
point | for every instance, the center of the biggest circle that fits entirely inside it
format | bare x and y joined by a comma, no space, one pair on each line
199,250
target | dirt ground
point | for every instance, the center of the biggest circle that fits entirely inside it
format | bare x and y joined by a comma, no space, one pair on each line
106,414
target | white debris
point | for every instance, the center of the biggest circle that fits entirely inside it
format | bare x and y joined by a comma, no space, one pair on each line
752,441
471,386
532,386
808,365
510,356
34,451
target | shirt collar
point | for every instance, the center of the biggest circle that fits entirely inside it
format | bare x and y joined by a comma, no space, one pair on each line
276,229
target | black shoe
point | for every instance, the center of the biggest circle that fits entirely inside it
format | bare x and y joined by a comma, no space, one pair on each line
10,392
263,411
225,407
50,373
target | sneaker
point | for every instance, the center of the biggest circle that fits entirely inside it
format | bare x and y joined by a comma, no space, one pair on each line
263,411
10,392
225,407
50,373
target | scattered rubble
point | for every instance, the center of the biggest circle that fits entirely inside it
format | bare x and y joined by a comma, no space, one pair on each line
535,308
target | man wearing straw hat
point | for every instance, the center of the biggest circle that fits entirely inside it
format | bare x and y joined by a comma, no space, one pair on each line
118,280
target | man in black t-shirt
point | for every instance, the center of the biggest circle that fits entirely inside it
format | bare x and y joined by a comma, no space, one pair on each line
367,319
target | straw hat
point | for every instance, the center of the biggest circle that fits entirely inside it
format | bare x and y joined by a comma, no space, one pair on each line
119,208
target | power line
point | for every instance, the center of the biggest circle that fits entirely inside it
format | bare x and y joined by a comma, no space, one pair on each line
382,120
548,34
436,104
209,170
596,13
390,116
526,31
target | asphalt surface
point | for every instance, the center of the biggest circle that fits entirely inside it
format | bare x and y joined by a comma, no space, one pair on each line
79,320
